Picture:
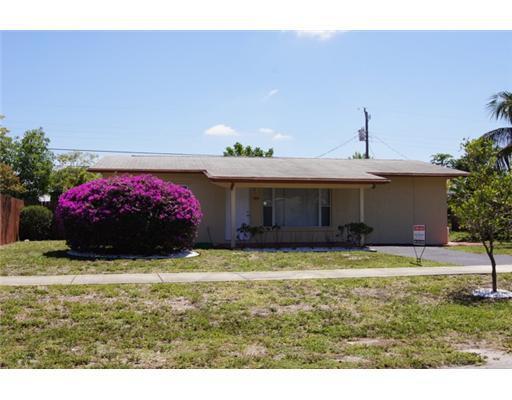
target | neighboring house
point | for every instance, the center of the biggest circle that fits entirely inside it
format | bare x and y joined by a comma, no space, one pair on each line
307,197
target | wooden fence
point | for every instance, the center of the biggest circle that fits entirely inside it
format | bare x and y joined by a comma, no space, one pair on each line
10,209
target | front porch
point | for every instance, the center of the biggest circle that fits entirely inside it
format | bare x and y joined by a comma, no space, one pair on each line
291,214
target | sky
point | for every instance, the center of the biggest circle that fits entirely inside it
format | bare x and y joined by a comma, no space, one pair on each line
301,93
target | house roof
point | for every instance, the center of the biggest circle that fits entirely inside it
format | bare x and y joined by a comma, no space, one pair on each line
275,169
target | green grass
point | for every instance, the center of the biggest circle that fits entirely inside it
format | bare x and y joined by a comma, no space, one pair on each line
460,236
500,248
50,258
415,322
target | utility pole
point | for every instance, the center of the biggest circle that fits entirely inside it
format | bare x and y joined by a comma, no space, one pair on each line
367,136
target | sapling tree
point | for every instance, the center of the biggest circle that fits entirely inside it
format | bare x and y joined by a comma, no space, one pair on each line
483,200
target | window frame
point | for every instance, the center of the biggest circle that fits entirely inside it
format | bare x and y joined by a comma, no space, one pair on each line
320,207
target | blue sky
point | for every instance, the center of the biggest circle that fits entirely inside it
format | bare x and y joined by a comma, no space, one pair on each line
197,92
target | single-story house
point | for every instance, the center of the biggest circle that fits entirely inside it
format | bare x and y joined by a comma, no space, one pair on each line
308,198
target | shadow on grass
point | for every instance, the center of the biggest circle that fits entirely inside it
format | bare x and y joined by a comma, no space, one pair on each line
58,254
466,298
64,254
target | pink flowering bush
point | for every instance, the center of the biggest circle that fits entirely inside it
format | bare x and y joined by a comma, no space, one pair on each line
129,214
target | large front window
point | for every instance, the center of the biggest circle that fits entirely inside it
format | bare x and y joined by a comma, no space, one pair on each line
297,207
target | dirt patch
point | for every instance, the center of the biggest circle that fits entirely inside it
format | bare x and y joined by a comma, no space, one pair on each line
255,350
179,304
357,258
351,359
81,298
282,310
146,359
376,293
370,342
22,316
493,358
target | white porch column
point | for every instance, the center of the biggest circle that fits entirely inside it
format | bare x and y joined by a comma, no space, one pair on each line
361,210
233,215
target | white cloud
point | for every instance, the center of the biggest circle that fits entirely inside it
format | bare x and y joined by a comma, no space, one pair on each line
275,135
281,136
220,130
270,94
320,35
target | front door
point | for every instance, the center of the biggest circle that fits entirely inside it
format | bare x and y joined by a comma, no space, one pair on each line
242,209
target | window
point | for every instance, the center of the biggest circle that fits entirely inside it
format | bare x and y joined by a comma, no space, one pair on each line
296,207
325,207
267,207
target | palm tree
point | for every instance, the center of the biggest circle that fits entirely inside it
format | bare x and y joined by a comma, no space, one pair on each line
500,106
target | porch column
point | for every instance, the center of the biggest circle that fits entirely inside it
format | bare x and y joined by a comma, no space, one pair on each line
233,215
361,210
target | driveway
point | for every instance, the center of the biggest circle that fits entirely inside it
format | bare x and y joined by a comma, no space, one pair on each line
444,255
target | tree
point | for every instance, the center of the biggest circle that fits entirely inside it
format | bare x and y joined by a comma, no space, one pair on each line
238,150
30,160
442,159
7,146
483,200
33,163
447,160
357,156
500,107
71,171
9,182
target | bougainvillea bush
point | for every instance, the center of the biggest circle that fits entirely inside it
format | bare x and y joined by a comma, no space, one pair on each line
129,214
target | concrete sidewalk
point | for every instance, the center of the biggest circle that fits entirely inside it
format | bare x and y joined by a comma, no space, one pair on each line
190,277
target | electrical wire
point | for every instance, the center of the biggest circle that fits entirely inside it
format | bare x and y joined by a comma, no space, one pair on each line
120,151
390,147
337,147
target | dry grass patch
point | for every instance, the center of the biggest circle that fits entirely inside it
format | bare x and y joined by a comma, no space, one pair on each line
417,322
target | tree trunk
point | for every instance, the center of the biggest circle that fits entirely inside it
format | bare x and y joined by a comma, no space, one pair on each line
494,275
490,252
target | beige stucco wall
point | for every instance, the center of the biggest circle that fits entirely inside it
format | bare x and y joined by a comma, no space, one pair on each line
391,209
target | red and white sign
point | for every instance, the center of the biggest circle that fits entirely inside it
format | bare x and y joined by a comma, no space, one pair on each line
419,235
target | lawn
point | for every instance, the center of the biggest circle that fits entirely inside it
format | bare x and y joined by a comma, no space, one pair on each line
500,248
460,236
50,258
373,323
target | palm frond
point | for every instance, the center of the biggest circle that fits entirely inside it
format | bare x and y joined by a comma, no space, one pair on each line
502,137
500,106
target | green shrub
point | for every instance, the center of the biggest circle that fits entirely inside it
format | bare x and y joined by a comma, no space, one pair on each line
35,223
354,232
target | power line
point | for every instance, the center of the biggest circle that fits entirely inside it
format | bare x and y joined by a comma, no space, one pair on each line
120,151
391,148
337,147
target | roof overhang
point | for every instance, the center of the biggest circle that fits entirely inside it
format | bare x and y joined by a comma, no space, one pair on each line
422,175
248,179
